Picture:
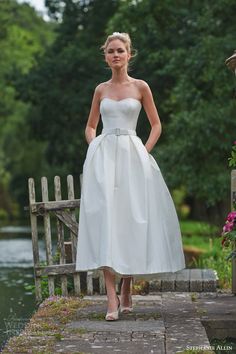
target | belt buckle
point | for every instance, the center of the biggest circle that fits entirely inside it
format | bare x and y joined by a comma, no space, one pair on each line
117,131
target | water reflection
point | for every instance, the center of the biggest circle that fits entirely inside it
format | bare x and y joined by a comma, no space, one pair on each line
17,252
16,272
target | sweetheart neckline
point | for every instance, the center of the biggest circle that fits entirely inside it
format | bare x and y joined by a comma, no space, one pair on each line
123,99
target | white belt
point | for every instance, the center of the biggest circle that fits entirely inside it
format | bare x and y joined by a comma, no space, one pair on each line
118,131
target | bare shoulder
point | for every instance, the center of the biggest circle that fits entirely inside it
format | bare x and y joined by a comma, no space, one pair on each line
141,84
143,88
99,89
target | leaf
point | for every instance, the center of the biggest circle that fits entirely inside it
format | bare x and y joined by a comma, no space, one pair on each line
232,255
231,236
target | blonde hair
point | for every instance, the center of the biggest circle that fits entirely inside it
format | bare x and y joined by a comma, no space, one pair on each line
122,36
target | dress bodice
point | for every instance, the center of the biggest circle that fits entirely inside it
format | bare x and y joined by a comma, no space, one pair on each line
120,114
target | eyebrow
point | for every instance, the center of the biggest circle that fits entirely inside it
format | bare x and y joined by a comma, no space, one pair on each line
116,48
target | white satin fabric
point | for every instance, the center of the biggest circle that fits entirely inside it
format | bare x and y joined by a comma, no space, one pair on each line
127,220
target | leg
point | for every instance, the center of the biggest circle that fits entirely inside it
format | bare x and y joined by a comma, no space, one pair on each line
111,290
126,291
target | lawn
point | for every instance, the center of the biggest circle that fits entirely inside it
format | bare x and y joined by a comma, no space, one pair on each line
204,241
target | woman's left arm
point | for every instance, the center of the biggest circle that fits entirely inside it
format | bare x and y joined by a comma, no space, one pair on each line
152,114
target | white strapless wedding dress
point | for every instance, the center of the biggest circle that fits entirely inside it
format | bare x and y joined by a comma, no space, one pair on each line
127,219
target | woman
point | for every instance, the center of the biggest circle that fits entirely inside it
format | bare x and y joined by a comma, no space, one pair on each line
128,225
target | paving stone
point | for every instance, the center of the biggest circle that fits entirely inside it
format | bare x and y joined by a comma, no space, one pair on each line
121,325
180,333
138,347
165,323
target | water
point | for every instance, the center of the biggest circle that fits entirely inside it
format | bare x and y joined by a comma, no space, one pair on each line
16,271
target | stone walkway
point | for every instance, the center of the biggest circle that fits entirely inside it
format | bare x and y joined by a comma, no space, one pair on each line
164,323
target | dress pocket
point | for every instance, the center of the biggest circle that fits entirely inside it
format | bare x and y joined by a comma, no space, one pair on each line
92,141
153,162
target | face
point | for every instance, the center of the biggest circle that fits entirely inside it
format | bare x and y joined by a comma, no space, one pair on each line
116,54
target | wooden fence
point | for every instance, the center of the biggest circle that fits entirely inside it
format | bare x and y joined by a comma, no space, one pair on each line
60,262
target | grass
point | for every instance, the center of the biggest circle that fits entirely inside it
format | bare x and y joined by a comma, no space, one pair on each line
46,327
200,228
205,241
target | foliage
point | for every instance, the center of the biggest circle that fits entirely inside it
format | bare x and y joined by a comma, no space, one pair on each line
229,234
200,228
179,195
47,326
24,37
57,281
49,70
204,237
232,159
228,345
61,90
215,259
3,214
182,49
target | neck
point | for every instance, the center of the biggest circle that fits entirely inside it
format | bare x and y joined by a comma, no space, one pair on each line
119,76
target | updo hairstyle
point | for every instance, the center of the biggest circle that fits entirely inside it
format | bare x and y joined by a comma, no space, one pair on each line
122,36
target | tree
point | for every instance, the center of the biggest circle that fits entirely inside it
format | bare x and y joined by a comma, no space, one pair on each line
60,88
182,52
23,36
181,46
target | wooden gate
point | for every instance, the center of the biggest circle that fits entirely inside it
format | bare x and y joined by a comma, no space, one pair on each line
59,262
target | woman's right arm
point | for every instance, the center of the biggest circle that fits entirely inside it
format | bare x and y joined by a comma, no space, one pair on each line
94,115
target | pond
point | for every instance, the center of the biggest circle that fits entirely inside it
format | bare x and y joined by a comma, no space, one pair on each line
16,272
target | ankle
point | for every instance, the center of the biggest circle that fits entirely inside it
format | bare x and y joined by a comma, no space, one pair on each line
112,299
126,287
125,290
125,293
113,304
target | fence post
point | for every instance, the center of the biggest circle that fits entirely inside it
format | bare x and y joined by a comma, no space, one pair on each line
233,201
35,245
48,238
73,238
65,213
60,235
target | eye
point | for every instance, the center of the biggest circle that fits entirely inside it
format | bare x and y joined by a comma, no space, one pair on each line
120,50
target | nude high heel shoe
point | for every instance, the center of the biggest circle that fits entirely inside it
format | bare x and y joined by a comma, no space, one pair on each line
113,316
127,309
